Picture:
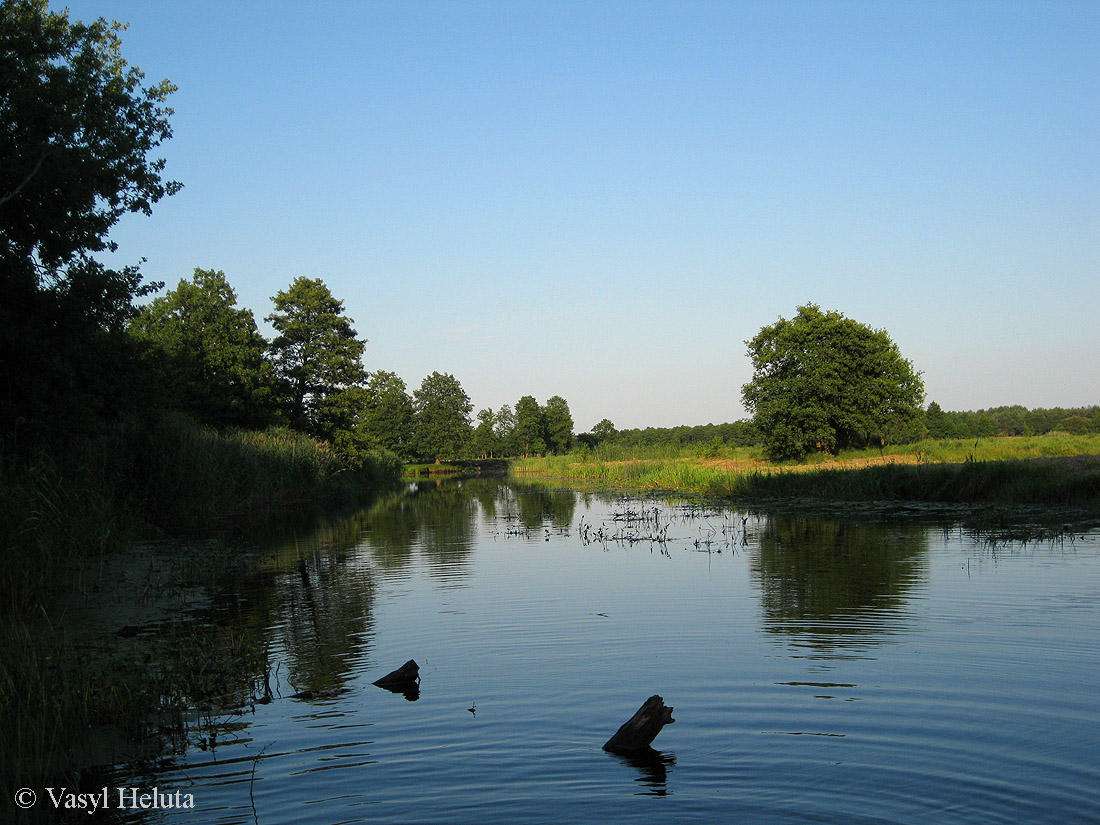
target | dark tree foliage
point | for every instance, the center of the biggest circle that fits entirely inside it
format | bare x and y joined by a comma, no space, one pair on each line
208,353
558,423
316,353
825,382
504,428
387,415
442,423
77,125
529,433
735,434
1010,421
485,441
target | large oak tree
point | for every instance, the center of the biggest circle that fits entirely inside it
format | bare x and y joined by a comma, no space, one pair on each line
824,382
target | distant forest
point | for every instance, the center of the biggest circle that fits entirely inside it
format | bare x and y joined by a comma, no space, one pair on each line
935,423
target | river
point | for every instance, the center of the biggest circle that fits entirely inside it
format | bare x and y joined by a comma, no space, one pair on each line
871,667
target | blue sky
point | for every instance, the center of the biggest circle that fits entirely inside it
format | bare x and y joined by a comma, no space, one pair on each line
604,200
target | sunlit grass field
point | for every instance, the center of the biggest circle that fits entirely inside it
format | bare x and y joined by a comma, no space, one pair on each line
987,470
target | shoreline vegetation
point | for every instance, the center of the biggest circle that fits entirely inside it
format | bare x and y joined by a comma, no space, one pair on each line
1055,470
172,477
73,512
137,499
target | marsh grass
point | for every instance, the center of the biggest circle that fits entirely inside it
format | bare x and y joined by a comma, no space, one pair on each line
64,508
71,704
59,506
189,473
987,470
1017,482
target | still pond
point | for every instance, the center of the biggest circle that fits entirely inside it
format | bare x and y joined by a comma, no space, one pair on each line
880,667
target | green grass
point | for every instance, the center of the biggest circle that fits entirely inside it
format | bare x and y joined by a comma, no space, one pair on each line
1002,448
190,473
987,470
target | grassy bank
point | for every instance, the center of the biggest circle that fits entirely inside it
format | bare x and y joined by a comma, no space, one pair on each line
70,513
62,506
1056,470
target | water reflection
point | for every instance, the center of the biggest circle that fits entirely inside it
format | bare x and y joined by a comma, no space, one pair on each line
652,765
316,601
535,506
437,521
836,584
525,634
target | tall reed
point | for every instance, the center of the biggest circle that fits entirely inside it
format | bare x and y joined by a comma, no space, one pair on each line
982,470
61,506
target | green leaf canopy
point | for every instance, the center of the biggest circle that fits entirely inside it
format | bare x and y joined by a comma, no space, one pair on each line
825,382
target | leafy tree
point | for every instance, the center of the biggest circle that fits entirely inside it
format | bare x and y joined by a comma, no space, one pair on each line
824,382
210,354
558,423
387,415
337,419
504,427
1076,425
316,352
486,443
442,418
937,422
76,127
529,432
604,431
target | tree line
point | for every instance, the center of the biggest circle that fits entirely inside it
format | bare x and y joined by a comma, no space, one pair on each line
84,347
211,362
1009,421
932,422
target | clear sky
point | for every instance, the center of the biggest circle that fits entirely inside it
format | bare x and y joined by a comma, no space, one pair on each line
604,200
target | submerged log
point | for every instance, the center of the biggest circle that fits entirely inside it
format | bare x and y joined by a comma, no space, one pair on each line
402,678
642,728
322,693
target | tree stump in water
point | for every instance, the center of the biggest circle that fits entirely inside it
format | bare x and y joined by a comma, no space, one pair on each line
642,728
400,679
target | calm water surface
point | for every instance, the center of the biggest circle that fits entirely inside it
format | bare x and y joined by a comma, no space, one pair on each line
822,669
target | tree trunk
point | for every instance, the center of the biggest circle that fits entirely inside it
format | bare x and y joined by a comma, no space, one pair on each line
642,728
407,674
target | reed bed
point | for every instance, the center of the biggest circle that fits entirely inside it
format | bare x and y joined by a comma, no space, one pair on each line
1040,470
63,507
190,473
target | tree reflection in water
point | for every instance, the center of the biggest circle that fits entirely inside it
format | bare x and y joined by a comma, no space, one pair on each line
836,584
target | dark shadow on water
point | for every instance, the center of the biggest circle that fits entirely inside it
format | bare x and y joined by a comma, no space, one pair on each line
653,766
410,690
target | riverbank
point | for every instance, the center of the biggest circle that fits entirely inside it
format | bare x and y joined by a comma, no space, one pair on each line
990,471
123,513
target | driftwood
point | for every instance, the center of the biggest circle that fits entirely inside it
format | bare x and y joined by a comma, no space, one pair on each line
406,680
642,728
408,672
